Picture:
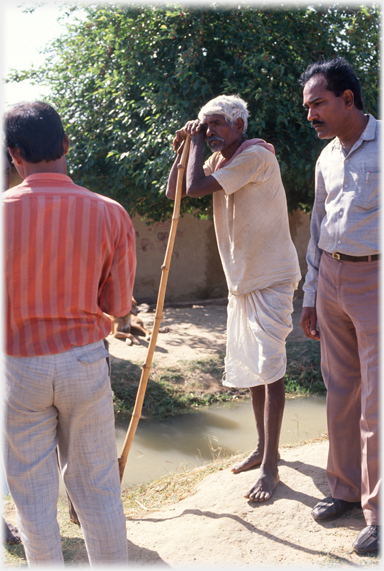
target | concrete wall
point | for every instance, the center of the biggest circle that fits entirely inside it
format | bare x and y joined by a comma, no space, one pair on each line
195,272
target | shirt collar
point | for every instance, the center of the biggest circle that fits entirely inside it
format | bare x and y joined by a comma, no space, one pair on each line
47,176
368,134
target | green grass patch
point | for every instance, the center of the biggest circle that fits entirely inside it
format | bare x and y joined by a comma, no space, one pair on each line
303,376
172,390
191,384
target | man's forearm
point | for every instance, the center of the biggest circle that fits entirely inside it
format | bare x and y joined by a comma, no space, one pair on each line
197,183
172,181
195,172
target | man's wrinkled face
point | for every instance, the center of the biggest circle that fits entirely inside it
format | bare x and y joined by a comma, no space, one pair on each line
325,111
220,134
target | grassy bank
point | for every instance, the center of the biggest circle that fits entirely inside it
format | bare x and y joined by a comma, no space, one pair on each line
192,384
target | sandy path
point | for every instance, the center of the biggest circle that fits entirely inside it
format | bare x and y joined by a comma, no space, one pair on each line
217,526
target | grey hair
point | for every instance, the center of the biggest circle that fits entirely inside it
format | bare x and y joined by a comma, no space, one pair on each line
230,106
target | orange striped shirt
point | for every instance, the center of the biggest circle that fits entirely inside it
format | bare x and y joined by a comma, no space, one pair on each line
69,256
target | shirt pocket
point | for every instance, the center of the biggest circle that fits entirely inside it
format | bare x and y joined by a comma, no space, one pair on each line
367,190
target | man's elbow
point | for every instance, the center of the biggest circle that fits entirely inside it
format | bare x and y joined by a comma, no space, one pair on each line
193,190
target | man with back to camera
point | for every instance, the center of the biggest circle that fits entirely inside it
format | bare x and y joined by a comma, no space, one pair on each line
341,290
69,257
11,534
259,261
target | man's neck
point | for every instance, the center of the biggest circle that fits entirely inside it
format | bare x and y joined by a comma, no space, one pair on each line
354,131
229,151
59,167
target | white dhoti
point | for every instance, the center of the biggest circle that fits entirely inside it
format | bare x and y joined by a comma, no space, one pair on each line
257,326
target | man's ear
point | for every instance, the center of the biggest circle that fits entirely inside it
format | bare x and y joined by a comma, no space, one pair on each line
16,155
349,98
66,144
239,123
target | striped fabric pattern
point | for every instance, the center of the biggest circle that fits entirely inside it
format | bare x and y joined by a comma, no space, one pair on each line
69,256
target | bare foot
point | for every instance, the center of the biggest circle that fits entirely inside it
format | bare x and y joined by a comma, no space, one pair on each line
264,486
255,458
11,534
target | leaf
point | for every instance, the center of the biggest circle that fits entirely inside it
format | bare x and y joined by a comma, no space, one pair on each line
127,76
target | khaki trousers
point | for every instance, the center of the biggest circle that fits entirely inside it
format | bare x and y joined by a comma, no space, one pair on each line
64,401
348,316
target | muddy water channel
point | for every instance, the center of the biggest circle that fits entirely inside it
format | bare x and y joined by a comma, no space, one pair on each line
197,437
191,439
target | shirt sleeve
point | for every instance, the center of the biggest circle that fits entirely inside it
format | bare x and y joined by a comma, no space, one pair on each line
254,164
208,166
314,252
116,294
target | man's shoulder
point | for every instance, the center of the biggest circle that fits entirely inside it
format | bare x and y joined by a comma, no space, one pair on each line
254,156
59,185
109,202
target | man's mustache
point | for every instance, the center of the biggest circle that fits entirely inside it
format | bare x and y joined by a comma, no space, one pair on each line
315,123
214,138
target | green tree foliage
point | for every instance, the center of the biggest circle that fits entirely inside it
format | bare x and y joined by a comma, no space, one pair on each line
126,77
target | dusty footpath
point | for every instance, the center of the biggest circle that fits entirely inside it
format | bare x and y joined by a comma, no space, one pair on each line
216,525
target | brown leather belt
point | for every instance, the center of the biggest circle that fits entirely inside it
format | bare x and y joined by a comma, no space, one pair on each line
338,256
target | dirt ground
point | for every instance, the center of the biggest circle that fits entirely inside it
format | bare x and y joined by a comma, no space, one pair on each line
217,526
195,332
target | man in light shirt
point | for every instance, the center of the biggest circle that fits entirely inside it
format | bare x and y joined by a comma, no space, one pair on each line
69,259
341,290
259,260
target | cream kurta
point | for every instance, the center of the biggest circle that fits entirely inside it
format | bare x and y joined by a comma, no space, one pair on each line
251,222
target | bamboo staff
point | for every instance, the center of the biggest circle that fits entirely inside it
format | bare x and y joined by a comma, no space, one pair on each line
158,315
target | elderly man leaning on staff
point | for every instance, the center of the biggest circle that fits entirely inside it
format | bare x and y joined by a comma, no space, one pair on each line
259,261
341,290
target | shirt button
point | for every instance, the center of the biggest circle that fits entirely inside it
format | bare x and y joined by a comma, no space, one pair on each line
339,241
346,160
341,213
345,186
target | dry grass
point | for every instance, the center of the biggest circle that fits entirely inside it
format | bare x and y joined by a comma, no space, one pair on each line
171,488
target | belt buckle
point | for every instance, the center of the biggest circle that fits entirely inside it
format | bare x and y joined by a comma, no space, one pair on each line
336,255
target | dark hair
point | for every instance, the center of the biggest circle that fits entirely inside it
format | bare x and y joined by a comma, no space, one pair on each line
339,76
7,156
36,130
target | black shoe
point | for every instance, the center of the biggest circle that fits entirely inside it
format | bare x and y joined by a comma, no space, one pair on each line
331,508
367,541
